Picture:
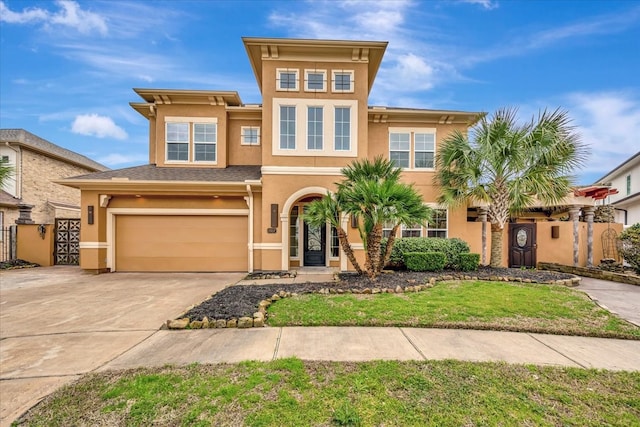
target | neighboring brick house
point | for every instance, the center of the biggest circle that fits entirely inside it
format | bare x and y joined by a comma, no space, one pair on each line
37,163
227,183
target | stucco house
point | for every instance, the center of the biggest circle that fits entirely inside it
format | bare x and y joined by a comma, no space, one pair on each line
227,182
36,163
625,178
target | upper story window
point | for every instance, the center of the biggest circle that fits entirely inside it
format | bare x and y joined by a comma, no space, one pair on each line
628,185
191,139
315,127
412,148
343,129
315,80
287,127
287,79
437,226
250,135
342,81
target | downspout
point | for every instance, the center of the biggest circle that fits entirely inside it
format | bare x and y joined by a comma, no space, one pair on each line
250,244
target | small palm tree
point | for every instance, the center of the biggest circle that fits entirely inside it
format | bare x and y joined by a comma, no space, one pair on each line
509,165
372,192
6,172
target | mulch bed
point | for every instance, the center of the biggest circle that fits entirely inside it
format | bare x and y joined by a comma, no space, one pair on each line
17,263
242,300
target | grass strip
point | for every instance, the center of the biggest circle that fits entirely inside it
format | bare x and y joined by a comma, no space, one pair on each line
460,304
290,392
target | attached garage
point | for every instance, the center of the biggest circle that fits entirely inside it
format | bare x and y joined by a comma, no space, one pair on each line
195,243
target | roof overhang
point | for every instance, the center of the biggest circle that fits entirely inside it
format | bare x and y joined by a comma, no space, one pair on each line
276,49
126,186
155,97
414,115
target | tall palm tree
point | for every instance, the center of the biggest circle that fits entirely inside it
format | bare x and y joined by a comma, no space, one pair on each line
509,165
372,192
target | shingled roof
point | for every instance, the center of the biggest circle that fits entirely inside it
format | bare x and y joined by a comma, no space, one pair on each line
154,173
34,142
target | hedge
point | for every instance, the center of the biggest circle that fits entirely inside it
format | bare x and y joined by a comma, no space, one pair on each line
468,261
452,248
425,261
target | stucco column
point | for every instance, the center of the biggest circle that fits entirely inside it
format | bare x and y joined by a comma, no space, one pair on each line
574,215
482,216
588,213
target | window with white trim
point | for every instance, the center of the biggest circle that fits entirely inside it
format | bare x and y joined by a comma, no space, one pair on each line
315,80
287,127
178,142
204,142
191,139
287,79
342,81
387,228
315,128
250,135
414,230
437,226
335,243
412,148
343,129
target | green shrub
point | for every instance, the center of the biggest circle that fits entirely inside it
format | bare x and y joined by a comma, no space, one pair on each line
468,261
452,248
425,261
630,246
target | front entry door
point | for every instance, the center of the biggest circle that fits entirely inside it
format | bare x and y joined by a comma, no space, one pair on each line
522,245
314,250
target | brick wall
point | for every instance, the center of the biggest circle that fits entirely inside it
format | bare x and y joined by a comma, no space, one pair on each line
38,172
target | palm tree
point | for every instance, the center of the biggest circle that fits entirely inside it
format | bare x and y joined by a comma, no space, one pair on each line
509,165
372,192
6,171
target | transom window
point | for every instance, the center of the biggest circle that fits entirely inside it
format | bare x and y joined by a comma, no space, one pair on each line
412,148
250,135
287,79
315,80
314,128
191,141
342,80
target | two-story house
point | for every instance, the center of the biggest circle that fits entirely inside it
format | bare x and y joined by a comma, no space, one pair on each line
625,178
227,183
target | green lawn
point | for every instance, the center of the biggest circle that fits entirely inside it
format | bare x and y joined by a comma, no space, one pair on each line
466,304
290,392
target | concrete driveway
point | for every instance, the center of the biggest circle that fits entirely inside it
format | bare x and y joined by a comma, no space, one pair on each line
619,298
57,323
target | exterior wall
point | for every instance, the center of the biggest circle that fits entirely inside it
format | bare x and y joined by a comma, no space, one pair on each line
627,204
38,172
34,248
243,154
269,92
12,185
9,216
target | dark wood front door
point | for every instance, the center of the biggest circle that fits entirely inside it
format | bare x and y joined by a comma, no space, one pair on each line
522,245
315,239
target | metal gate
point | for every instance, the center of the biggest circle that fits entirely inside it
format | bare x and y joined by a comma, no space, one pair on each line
67,245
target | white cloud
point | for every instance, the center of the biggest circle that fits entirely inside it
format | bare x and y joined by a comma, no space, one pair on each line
69,14
486,4
116,159
610,123
99,126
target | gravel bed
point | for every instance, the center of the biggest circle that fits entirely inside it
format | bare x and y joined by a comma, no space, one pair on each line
242,300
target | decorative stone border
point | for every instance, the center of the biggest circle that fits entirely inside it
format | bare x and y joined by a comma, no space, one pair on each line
259,317
592,272
263,275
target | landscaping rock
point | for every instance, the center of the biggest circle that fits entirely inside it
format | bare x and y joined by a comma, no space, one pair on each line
232,323
220,323
399,290
196,324
245,322
178,323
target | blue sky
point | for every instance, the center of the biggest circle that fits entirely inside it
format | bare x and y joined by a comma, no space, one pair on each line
68,67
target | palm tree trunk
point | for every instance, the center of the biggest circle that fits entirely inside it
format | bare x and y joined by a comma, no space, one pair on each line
496,245
387,252
373,251
346,247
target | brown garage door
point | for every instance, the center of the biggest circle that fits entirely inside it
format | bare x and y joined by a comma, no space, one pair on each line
181,243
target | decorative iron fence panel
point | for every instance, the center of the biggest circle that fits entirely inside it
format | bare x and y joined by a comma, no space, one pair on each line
8,243
67,245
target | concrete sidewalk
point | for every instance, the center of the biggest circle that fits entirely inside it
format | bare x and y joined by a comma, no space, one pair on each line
371,343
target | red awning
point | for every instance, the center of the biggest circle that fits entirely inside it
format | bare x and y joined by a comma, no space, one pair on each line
597,192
